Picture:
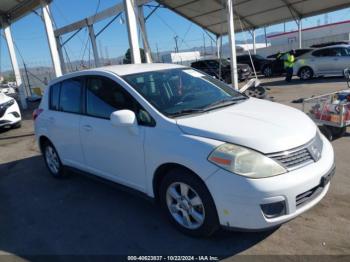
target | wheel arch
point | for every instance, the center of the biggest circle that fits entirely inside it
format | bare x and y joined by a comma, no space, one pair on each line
42,140
160,173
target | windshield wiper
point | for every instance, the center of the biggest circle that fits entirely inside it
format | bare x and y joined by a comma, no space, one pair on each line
187,112
223,102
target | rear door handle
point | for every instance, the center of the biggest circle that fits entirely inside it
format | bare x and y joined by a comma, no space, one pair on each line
87,128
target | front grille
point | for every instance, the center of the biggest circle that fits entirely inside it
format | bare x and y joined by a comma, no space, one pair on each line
301,156
308,196
294,159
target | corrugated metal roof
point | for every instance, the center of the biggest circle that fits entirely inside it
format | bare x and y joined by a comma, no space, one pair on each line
15,9
211,14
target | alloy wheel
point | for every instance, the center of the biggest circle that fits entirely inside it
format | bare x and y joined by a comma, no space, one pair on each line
305,74
185,205
52,159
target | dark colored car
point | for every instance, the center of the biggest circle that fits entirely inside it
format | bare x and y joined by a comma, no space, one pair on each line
258,61
212,67
275,66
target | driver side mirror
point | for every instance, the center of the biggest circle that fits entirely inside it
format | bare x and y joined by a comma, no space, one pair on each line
125,118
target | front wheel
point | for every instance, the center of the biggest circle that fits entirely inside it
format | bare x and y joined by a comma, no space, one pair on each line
188,204
305,73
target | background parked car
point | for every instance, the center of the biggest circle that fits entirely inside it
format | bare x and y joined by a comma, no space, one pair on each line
258,61
326,61
212,67
10,115
275,66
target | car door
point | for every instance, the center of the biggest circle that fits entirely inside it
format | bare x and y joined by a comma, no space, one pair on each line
343,59
112,152
63,121
321,61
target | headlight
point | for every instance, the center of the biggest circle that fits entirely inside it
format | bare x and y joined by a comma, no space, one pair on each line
245,162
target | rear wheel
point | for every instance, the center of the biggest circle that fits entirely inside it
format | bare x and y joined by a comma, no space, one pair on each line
188,204
267,71
306,73
52,160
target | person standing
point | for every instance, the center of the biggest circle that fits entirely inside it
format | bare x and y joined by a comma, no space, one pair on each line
289,60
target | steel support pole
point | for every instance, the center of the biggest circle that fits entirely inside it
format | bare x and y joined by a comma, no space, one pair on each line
94,45
144,35
300,33
232,40
51,38
218,46
60,54
254,42
131,22
14,63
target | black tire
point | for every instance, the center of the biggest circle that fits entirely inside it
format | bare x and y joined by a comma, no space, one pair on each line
327,132
337,131
17,125
267,71
305,73
181,175
60,168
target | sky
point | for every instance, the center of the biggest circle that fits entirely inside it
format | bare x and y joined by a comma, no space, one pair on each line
30,37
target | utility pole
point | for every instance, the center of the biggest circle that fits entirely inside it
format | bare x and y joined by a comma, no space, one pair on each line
204,48
265,36
158,58
176,44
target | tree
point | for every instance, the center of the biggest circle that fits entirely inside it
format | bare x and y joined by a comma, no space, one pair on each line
9,78
127,56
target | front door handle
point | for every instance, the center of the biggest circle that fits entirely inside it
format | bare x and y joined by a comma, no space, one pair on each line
87,128
51,119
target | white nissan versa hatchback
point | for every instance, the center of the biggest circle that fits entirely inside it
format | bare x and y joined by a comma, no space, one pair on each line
210,155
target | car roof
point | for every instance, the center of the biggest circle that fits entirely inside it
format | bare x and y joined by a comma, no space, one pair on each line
332,46
128,69
120,70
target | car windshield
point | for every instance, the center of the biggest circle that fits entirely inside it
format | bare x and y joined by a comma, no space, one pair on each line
224,62
259,57
181,91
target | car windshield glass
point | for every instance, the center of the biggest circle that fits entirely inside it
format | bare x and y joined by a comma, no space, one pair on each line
182,91
224,62
259,57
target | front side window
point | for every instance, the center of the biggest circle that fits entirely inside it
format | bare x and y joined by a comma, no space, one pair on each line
104,96
70,96
182,90
322,52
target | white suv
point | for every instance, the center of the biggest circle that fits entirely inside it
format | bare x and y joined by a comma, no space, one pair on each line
10,114
210,155
326,61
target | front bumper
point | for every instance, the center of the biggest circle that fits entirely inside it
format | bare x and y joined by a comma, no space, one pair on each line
11,116
238,199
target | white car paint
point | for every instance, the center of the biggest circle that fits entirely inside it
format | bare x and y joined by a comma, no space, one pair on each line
132,158
324,65
10,114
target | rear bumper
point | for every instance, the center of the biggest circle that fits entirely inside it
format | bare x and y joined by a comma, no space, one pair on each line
238,199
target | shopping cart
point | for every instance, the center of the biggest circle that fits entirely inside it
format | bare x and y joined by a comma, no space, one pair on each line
331,112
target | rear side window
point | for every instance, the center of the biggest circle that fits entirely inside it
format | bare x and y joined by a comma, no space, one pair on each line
70,96
54,96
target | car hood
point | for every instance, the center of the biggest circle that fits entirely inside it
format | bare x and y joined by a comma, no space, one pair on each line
4,98
262,125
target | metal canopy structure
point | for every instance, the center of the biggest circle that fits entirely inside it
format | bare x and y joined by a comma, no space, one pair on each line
211,14
13,10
